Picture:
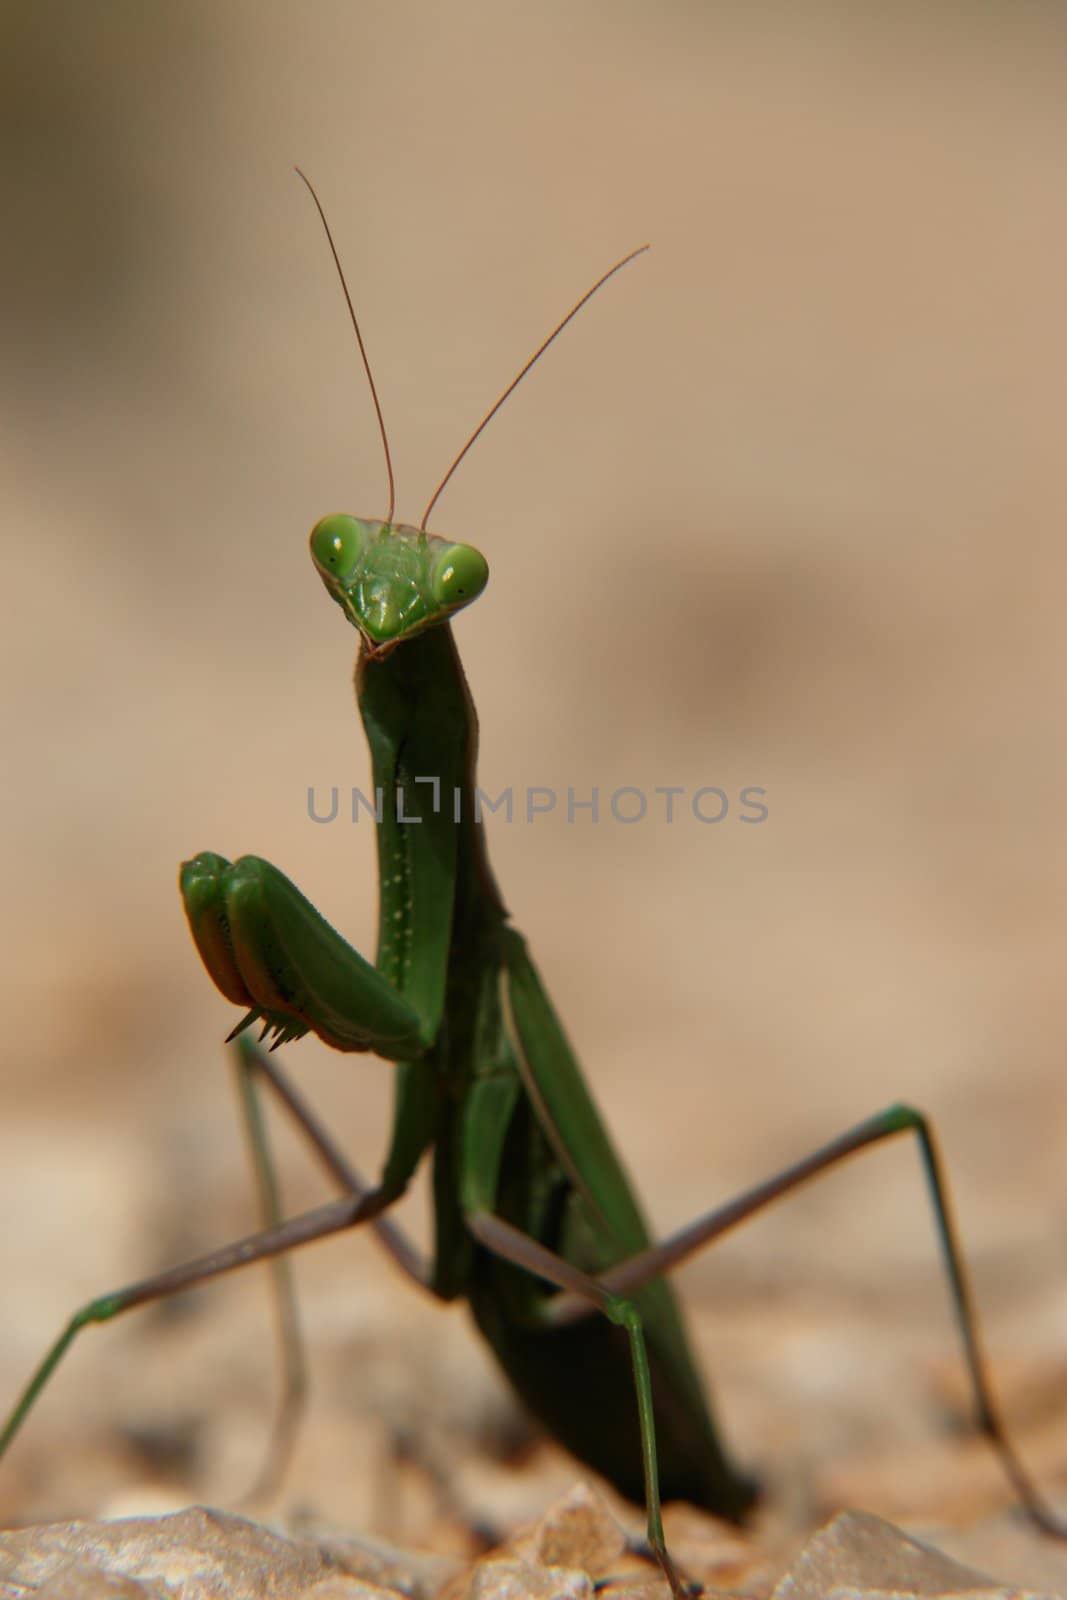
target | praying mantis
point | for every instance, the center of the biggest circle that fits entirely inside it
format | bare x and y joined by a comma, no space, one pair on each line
536,1224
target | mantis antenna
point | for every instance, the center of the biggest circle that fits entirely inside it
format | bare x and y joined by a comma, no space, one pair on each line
495,407
359,340
514,384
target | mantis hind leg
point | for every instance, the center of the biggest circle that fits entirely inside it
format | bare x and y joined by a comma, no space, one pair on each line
321,1223
360,1204
627,1277
511,1244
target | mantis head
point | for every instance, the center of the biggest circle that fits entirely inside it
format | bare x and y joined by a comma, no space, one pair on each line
392,580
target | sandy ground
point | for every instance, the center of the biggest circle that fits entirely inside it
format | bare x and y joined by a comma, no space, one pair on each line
785,510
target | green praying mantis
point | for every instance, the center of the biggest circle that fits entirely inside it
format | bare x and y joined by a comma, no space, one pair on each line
536,1223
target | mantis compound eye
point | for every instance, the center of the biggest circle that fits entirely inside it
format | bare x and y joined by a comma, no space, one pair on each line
459,575
337,543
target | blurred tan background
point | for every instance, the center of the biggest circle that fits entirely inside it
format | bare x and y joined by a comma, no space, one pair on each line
787,507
